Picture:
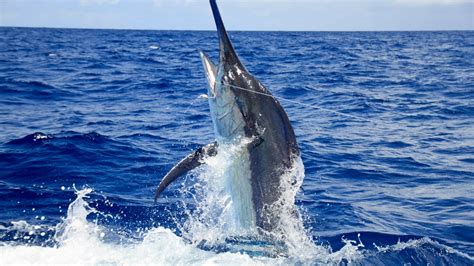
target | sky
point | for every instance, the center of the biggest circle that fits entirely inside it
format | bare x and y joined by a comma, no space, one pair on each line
286,15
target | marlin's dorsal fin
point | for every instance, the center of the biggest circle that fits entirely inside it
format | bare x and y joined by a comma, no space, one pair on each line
226,48
187,164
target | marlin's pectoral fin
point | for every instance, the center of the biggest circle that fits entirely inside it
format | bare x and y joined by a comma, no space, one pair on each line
187,164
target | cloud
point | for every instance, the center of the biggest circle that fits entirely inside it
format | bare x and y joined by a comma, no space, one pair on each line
98,2
434,2
160,3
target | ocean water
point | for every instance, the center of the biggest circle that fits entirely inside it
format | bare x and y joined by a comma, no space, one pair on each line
90,121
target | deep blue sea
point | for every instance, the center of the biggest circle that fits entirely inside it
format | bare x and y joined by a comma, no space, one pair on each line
91,120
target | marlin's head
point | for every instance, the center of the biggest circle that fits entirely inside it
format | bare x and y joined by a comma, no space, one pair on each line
225,111
225,78
229,66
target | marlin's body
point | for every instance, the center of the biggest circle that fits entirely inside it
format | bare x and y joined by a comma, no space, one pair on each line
242,108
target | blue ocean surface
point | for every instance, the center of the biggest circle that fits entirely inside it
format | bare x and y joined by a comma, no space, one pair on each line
91,120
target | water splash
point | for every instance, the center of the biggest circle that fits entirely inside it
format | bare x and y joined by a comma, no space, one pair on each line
216,216
221,201
80,241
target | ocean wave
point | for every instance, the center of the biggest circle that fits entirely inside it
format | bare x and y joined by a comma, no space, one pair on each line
89,242
397,162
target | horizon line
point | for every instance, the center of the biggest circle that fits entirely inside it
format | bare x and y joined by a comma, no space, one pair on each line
197,30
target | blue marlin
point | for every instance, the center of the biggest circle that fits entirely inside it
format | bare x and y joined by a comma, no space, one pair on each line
242,108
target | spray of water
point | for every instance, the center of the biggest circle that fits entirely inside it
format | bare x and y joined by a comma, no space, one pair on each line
217,215
222,201
83,242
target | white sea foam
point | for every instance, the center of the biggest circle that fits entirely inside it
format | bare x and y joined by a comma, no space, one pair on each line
219,217
215,219
416,243
81,241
